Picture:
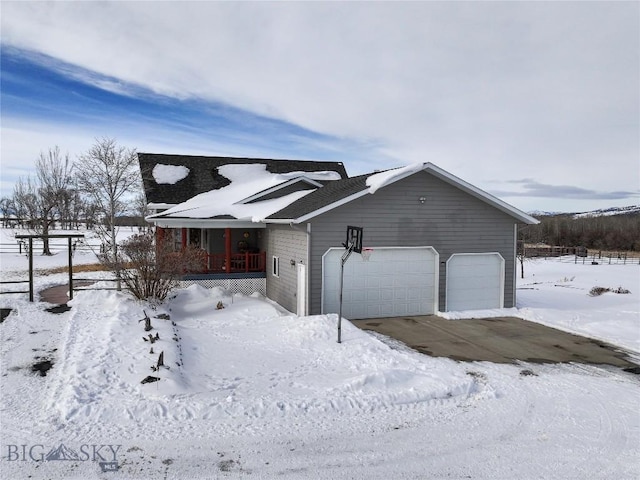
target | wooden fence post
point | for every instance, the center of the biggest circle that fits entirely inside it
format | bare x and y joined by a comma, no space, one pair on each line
30,269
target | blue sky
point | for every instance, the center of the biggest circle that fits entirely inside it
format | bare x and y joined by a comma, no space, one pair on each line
535,102
41,88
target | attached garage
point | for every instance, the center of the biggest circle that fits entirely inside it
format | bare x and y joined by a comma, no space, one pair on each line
475,281
393,281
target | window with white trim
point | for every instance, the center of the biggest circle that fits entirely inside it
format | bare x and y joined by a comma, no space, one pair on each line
275,266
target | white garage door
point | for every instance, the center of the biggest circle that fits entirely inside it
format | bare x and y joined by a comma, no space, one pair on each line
395,281
475,281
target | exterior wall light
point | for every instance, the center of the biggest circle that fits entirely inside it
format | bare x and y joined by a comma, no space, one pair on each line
422,199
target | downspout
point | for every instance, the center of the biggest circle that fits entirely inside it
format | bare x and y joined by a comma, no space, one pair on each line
227,249
515,262
308,269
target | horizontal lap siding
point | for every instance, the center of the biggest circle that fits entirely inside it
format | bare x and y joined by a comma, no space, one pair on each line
450,220
287,244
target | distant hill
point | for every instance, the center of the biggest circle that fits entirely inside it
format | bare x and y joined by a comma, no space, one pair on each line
605,212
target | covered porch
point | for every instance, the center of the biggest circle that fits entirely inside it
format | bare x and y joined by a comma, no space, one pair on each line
226,250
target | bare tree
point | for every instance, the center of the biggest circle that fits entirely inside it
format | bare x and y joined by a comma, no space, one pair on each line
24,199
40,199
89,211
142,211
107,173
6,210
75,207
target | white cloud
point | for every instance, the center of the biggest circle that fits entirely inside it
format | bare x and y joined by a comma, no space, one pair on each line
486,90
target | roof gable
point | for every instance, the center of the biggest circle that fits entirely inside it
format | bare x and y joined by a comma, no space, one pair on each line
322,200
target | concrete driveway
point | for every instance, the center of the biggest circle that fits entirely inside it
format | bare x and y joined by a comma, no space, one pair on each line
499,340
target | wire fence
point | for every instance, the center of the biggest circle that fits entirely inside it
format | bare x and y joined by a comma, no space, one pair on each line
13,282
608,259
79,284
596,258
21,247
88,244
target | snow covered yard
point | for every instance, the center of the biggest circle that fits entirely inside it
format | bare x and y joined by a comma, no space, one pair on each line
251,391
556,293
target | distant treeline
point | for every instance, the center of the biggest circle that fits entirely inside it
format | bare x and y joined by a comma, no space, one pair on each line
615,232
76,223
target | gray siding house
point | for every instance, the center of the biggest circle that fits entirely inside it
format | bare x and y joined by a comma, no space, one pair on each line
432,242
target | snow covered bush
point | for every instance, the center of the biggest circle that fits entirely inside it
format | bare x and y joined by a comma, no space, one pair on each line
595,291
621,290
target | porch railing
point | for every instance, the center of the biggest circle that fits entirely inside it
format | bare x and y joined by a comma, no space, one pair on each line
239,262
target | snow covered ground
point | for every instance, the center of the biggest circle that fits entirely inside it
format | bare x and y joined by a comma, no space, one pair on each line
252,391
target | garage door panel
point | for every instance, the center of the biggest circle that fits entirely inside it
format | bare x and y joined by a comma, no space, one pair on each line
472,282
399,294
387,295
386,311
374,296
400,310
355,295
475,281
480,296
387,281
414,294
372,282
415,306
395,281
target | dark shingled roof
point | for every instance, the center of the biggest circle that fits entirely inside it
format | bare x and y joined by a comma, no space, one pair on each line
204,177
330,193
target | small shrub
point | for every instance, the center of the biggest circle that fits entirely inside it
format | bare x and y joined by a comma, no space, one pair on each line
151,271
595,291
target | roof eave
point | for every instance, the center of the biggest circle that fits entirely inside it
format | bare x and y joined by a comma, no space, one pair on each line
207,223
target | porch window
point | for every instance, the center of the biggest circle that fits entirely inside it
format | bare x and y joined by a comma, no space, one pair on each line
195,237
276,266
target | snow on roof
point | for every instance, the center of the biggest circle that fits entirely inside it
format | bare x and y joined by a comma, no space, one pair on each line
322,175
379,180
169,174
246,180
